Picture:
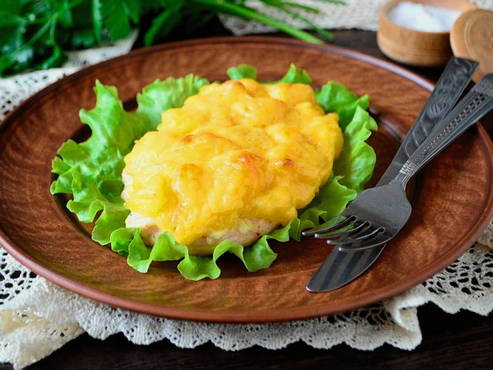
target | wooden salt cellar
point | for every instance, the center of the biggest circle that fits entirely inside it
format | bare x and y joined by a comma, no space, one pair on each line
416,48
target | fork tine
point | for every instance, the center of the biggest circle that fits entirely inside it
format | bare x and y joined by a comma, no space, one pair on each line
364,245
342,234
330,226
361,238
362,232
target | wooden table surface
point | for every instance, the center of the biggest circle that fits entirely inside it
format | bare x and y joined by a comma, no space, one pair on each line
460,341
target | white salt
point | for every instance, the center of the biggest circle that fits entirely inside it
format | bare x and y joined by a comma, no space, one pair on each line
423,17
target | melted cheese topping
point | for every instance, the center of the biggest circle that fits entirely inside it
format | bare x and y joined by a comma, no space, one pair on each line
236,151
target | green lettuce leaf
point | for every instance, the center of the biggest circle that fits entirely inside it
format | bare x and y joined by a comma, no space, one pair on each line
129,243
296,76
335,97
91,172
356,163
242,71
293,75
170,93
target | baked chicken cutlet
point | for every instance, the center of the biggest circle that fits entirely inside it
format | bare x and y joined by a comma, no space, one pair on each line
236,161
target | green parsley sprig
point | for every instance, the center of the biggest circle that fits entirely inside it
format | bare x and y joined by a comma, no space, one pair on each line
34,34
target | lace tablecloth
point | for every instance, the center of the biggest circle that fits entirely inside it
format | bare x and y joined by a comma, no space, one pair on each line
37,317
361,14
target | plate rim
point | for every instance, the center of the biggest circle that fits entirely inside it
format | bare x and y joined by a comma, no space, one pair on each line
278,315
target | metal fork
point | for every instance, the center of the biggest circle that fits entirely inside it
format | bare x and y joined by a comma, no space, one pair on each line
379,213
343,266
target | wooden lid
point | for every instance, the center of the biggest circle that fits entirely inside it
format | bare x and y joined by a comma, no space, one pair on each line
472,37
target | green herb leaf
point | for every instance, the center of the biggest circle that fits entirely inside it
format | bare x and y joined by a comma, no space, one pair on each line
133,9
13,7
163,23
65,13
115,18
97,19
17,60
83,38
46,29
56,58
11,36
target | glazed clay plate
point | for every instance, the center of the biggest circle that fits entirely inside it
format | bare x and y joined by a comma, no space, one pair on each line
452,200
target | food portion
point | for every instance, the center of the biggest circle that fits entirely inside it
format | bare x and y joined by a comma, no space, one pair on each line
236,161
200,170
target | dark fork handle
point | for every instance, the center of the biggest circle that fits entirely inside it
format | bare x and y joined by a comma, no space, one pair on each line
466,113
447,91
342,267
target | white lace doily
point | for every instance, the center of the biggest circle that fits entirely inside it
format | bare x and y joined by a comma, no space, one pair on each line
361,14
37,317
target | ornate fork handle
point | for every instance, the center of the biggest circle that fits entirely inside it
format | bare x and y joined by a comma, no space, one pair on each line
449,88
468,111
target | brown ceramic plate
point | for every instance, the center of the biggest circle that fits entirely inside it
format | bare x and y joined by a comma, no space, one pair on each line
452,201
